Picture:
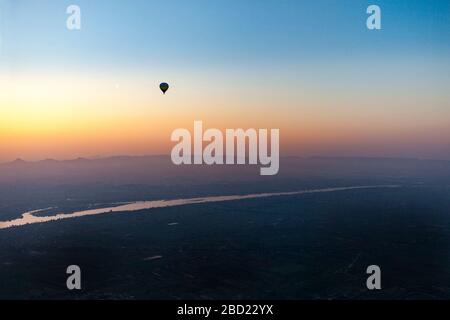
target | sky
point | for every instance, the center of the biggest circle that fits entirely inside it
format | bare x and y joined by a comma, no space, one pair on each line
309,68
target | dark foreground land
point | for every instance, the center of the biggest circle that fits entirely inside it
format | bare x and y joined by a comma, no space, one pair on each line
292,247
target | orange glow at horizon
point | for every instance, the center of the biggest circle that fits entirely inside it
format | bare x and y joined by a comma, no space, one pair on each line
62,117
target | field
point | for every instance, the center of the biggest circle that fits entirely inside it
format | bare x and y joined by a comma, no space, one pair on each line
290,247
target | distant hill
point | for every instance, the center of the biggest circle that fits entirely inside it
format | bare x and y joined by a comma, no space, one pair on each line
157,170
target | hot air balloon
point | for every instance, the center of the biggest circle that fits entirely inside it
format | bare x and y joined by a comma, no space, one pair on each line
164,87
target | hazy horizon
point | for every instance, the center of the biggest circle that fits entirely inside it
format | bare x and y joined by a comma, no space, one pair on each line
103,157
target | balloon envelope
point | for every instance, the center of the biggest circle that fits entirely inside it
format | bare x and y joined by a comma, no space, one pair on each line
164,87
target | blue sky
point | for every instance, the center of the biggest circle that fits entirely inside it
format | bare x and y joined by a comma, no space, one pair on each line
213,33
310,68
